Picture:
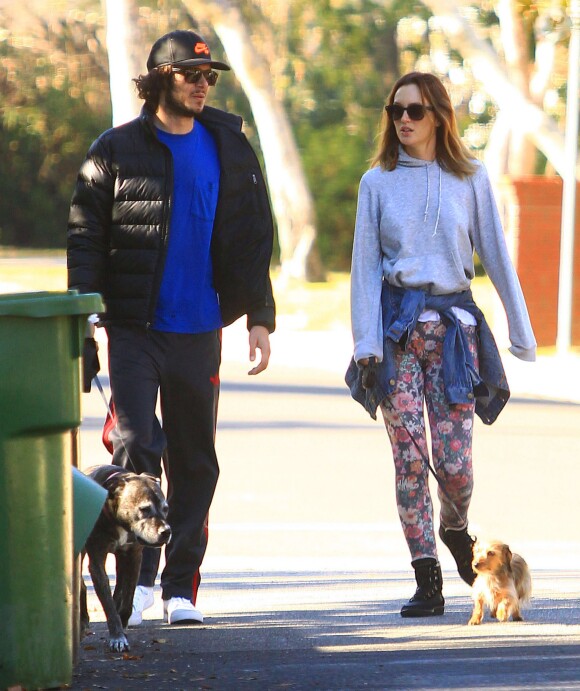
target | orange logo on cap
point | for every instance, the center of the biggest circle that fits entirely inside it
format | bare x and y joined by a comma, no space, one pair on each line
201,48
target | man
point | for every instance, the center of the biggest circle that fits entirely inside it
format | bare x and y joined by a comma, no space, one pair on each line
170,221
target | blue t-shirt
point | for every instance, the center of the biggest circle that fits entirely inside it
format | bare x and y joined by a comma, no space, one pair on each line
187,301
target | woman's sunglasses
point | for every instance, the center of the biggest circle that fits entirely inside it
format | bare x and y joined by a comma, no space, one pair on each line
416,111
194,75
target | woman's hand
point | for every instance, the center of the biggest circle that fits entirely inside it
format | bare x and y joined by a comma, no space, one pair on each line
369,371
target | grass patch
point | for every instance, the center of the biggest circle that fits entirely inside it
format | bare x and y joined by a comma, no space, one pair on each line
23,272
301,306
314,306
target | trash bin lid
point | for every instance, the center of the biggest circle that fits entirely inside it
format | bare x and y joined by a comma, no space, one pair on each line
49,304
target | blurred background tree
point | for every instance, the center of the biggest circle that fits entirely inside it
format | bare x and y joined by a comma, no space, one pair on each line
52,75
331,65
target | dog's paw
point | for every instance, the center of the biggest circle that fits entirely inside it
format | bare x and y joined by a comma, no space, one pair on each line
502,613
474,621
119,645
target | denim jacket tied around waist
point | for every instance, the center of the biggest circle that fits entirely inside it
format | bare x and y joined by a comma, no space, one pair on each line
401,309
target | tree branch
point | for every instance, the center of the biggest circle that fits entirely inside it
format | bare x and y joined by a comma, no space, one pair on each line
486,66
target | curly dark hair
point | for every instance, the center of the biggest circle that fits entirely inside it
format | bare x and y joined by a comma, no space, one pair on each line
150,86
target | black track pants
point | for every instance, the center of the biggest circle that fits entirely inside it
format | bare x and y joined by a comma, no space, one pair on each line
184,370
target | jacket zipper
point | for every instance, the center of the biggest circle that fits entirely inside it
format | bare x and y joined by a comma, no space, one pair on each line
164,232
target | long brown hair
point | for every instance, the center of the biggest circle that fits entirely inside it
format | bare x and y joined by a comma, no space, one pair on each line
451,152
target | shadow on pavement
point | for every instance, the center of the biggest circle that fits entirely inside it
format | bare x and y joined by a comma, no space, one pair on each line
330,631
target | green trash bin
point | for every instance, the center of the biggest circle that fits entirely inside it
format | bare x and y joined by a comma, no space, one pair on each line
41,336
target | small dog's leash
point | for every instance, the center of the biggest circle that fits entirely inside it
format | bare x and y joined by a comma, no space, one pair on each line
114,419
368,381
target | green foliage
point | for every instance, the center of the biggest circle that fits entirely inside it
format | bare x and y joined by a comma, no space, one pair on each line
332,63
53,108
42,159
342,60
334,162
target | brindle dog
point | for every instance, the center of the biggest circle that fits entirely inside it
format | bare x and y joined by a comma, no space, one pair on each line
134,516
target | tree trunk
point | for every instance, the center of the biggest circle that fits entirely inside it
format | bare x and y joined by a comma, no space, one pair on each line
126,59
291,199
486,66
521,159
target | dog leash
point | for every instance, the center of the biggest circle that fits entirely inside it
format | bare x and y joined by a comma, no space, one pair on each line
427,461
369,379
114,418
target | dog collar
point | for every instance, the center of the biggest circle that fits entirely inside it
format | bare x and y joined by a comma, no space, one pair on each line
113,475
106,508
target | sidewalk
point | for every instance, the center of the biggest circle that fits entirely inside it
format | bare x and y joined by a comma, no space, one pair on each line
342,631
306,569
549,378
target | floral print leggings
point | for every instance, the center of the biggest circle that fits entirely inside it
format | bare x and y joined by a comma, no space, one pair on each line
420,379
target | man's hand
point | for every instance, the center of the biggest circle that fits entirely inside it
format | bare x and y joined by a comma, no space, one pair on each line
91,365
259,338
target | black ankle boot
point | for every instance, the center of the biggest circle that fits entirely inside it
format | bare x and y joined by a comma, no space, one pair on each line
460,544
428,598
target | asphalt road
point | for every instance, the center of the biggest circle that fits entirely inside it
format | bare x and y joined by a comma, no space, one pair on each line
306,568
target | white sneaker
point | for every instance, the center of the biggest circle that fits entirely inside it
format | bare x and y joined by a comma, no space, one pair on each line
179,610
142,600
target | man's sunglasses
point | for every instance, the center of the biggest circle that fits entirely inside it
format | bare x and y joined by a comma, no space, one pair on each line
192,76
416,111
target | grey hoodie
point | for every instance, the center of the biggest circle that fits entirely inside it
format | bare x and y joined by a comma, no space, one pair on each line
417,227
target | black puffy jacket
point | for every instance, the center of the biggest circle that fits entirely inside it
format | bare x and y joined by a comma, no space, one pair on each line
119,223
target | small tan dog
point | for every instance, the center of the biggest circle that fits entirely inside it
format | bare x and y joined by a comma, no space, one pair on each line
503,582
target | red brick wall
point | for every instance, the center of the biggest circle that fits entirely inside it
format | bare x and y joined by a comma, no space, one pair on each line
538,220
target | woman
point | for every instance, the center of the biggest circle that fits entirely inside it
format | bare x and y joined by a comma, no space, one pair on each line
423,208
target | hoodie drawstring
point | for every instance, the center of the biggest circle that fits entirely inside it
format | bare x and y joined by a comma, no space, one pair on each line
428,194
428,198
438,204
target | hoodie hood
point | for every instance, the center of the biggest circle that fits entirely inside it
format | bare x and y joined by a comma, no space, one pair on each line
406,161
410,162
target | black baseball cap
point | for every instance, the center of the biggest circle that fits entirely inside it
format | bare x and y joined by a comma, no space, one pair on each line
182,49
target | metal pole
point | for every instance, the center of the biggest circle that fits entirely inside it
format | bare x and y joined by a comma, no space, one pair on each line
566,276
